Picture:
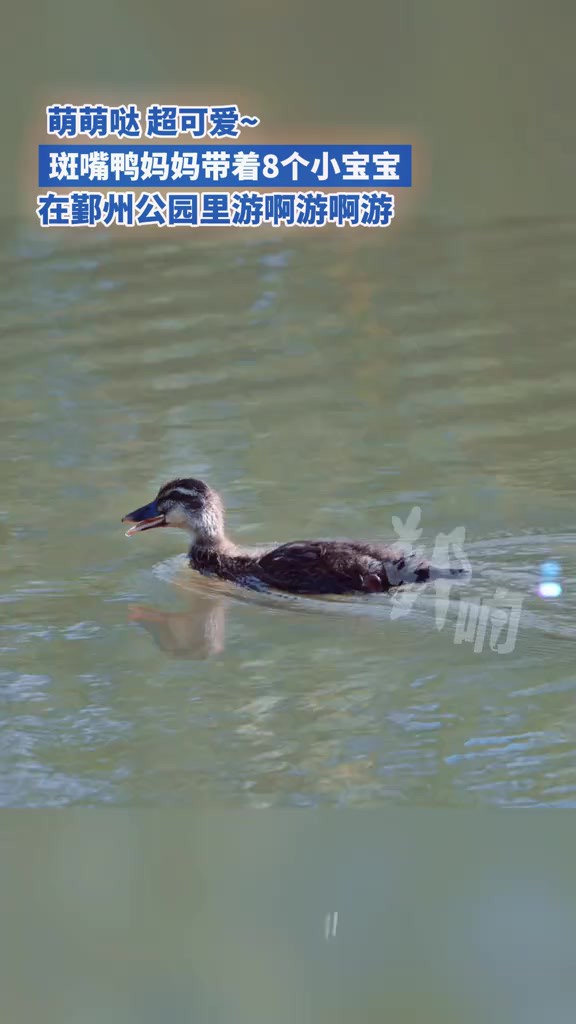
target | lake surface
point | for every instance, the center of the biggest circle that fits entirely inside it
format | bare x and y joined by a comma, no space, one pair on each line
324,384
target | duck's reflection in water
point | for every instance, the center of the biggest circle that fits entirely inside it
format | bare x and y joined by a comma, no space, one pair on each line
198,632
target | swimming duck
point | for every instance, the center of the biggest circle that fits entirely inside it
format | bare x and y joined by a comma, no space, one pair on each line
299,567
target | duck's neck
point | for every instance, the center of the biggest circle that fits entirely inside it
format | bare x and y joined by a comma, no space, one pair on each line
209,534
212,537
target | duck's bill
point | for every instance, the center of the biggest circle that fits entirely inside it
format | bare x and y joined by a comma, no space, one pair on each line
145,518
146,524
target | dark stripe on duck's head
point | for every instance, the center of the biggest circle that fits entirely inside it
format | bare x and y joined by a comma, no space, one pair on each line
190,491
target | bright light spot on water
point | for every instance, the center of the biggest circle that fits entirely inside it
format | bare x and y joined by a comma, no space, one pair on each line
550,569
549,589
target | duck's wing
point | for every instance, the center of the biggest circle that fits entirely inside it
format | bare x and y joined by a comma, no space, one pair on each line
322,567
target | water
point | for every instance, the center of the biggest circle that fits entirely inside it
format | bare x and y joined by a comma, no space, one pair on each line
323,384
146,916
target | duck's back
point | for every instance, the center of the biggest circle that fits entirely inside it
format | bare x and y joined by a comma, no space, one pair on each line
338,567
316,566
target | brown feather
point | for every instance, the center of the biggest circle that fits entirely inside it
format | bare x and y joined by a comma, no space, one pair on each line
313,567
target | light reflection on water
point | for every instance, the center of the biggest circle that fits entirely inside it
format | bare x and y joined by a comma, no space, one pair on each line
324,389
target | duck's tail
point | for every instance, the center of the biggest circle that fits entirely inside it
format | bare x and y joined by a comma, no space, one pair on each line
412,569
436,572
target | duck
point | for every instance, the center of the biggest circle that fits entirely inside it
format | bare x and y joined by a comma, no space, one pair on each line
315,567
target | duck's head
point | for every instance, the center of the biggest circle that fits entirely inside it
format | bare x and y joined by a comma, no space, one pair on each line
188,504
